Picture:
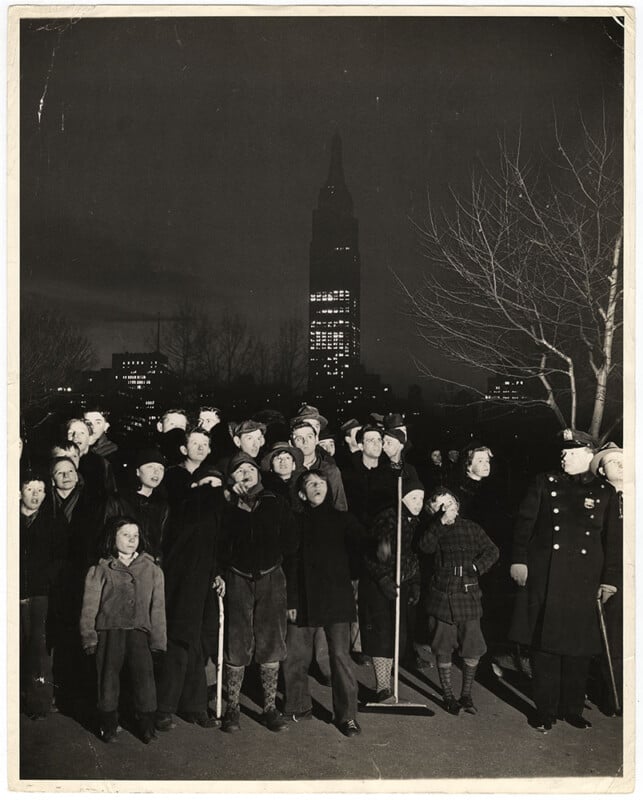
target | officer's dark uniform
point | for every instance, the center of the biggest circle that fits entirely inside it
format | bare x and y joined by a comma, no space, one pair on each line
567,535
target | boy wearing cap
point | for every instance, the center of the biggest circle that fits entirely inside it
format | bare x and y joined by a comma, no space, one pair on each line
463,552
257,533
320,597
304,437
566,553
178,479
280,469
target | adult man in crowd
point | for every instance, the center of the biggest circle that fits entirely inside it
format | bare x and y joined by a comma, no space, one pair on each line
566,553
171,434
304,437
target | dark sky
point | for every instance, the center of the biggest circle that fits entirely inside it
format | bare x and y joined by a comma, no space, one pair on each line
182,157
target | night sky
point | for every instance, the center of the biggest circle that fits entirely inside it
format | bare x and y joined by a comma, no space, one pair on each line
182,157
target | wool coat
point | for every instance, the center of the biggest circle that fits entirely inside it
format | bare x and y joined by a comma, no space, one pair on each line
318,576
567,533
124,598
463,552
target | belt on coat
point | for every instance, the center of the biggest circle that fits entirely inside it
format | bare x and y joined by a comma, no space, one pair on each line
254,576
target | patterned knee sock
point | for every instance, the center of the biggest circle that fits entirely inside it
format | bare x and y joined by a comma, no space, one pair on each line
233,681
269,673
382,667
444,671
468,674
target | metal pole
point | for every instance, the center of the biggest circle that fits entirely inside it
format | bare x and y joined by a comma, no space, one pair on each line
601,617
219,709
398,576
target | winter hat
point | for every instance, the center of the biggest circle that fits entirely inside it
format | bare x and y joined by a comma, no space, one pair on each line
606,450
359,436
572,439
248,426
395,433
206,471
325,433
149,456
411,484
282,447
394,420
238,459
348,426
309,412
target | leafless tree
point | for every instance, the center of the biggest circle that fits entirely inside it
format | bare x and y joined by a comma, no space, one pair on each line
51,349
290,354
525,275
235,345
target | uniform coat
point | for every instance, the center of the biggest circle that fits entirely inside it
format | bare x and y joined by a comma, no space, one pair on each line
567,535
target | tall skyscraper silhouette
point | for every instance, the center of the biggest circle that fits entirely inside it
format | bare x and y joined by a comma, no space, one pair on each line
334,301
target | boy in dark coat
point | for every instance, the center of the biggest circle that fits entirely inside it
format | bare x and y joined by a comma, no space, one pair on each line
320,595
463,552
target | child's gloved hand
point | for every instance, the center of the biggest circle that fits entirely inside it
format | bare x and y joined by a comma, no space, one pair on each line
90,651
389,588
383,550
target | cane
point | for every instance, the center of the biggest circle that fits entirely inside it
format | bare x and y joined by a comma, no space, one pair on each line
220,661
601,617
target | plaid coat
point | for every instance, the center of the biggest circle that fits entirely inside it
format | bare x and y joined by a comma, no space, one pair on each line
463,552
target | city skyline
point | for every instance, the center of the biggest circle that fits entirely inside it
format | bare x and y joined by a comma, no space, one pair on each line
172,157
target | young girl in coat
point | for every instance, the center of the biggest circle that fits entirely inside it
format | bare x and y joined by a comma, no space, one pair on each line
463,552
123,622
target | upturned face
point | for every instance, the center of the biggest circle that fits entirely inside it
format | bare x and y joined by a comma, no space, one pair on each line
576,460
315,490
127,539
392,447
150,475
32,495
414,501
79,434
251,443
305,439
246,475
99,425
436,458
372,444
480,466
613,468
197,447
283,464
64,476
443,503
208,420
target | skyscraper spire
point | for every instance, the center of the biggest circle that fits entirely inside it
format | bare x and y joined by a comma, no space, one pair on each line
334,196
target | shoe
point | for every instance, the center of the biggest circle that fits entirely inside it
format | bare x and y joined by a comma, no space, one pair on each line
201,718
108,725
274,721
452,706
163,721
302,716
466,704
231,721
543,724
383,695
350,728
361,659
578,721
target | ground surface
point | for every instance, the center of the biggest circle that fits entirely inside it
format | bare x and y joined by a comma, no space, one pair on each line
496,743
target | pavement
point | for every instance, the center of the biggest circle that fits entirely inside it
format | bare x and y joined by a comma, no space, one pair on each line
396,743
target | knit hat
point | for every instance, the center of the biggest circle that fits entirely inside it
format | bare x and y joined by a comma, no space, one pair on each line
411,484
149,456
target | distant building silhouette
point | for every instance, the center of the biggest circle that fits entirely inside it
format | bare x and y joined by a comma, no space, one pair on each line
143,379
334,302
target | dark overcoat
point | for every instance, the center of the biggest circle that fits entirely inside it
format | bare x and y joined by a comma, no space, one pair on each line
567,535
318,574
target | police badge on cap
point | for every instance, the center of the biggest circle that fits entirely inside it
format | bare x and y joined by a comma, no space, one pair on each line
572,438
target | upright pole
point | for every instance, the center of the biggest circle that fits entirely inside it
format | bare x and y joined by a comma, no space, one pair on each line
398,576
219,709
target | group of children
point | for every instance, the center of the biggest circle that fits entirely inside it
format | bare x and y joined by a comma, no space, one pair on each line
126,562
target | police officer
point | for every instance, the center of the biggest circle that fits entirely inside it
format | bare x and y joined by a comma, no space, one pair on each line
566,552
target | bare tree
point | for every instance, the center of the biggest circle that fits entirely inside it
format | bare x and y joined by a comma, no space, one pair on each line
290,354
51,349
525,276
235,345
